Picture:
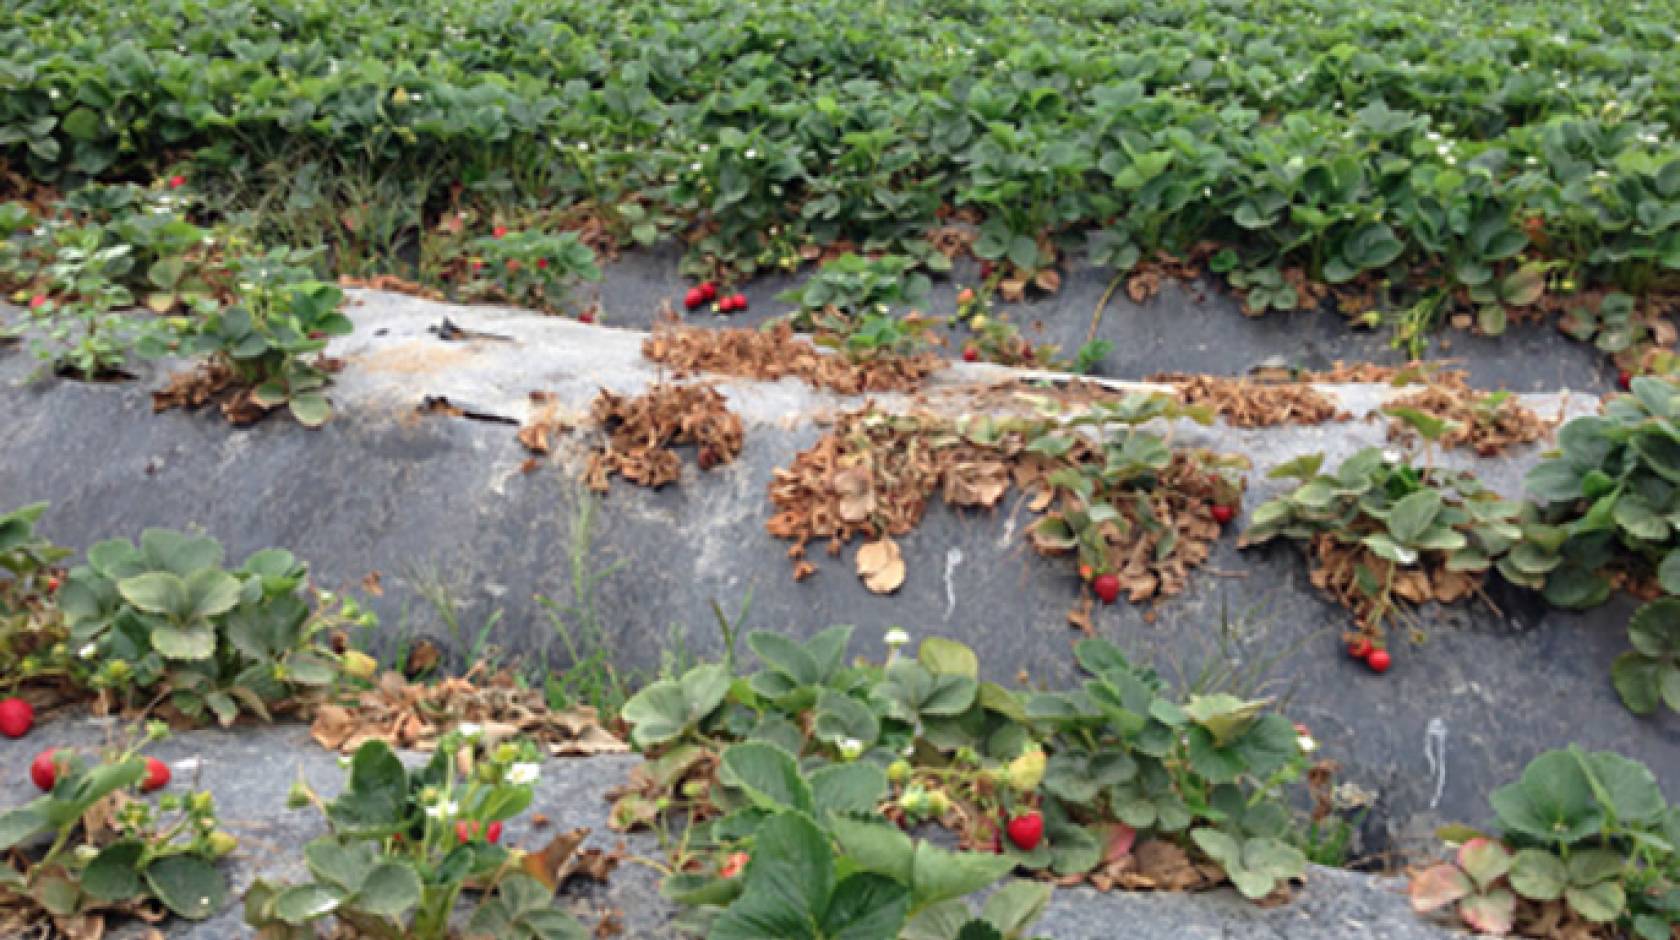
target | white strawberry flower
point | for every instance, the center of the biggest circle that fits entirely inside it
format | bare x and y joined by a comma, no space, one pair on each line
850,748
523,773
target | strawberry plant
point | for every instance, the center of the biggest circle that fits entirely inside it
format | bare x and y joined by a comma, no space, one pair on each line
402,846
533,267
1585,834
851,286
1608,499
790,768
165,615
32,631
265,339
136,854
1649,673
1385,536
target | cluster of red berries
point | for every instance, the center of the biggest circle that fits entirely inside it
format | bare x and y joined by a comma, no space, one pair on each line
707,293
18,716
1376,658
467,830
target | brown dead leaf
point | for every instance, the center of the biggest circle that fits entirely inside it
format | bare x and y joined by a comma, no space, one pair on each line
641,431
881,566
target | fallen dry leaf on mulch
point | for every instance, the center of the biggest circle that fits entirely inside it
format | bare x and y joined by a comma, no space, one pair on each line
881,566
777,352
641,431
413,715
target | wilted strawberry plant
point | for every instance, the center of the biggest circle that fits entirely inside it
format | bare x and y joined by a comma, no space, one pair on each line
1584,839
403,845
108,852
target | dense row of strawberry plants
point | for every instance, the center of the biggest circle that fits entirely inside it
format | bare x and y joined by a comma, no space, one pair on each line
1494,146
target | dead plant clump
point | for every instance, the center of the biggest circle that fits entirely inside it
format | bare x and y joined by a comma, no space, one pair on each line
1487,423
1355,577
408,714
1248,403
874,474
641,431
777,352
207,382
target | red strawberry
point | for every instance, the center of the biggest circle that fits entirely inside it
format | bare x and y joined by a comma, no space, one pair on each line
965,296
708,291
1625,380
986,269
157,776
465,831
176,182
43,770
1107,587
493,833
38,301
542,263
738,301
1360,648
1222,513
513,265
477,264
16,717
1026,830
1379,661
53,583
1085,572
588,316
498,231
693,298
970,354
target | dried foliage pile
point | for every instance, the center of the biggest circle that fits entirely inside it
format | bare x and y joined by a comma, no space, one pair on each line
1486,422
641,431
414,715
1248,403
777,352
1118,496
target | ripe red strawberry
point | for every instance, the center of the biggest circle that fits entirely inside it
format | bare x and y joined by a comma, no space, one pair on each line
38,301
16,717
498,231
542,263
738,301
693,298
588,316
1107,587
1379,661
157,776
1625,380
1085,572
1026,830
477,264
986,269
1222,513
493,833
43,771
176,182
708,291
971,354
53,583
465,831
1360,648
